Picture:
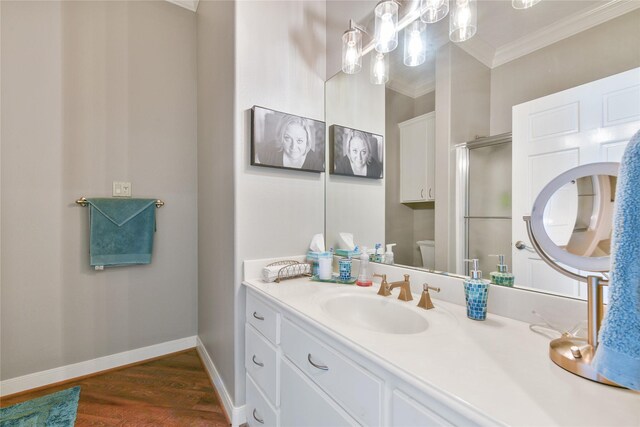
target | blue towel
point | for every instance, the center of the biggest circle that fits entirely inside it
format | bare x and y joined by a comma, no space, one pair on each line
618,355
121,231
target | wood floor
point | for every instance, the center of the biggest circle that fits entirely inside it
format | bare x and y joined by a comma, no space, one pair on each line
171,391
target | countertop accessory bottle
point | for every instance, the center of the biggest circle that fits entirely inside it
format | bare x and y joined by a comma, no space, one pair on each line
388,256
476,292
345,269
364,276
502,277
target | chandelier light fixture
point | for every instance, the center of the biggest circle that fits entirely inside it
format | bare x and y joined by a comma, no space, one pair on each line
415,43
386,35
434,10
524,4
379,68
463,24
352,50
463,20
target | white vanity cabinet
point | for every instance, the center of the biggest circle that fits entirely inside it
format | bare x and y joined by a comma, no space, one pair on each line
298,375
417,159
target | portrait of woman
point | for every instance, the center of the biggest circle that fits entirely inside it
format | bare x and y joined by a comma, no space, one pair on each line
357,153
287,141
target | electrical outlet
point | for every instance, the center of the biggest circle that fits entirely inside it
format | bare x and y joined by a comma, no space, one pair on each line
121,189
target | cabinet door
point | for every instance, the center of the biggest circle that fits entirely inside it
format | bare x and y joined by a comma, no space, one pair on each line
429,160
417,151
303,404
259,412
412,154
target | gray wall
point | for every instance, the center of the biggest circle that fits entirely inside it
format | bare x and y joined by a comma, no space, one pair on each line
94,92
280,67
462,112
216,84
607,49
355,205
405,224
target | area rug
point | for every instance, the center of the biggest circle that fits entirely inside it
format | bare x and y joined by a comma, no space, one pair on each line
53,410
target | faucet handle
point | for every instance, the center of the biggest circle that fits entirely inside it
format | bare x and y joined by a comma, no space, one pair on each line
406,277
425,300
427,288
384,286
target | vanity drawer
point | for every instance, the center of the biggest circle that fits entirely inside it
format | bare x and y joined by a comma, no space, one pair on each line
261,361
355,389
259,412
304,404
407,412
264,318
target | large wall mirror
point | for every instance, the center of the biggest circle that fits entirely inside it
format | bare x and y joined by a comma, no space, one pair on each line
474,133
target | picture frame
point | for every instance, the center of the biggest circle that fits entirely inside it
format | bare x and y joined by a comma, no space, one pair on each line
286,141
356,153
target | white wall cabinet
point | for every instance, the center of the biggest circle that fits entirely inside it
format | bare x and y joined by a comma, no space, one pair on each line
417,159
299,376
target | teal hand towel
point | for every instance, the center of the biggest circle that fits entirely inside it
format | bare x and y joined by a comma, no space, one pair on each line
121,231
618,355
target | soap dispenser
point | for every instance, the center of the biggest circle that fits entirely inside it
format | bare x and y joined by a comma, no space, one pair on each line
388,256
476,292
502,277
364,276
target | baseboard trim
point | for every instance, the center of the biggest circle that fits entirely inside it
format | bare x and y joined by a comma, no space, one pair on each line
88,367
236,414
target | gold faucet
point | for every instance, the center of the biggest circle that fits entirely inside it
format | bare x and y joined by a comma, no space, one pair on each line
425,299
384,286
405,288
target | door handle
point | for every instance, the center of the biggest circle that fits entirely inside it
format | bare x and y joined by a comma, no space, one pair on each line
422,193
258,419
315,365
430,193
257,316
257,363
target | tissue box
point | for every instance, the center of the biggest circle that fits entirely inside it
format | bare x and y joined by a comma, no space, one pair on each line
347,253
313,258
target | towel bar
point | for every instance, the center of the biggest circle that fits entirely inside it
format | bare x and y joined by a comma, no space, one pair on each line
82,201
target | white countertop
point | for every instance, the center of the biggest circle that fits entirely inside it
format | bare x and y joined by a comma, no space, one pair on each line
497,366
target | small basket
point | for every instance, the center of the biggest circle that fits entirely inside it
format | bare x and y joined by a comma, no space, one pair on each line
292,269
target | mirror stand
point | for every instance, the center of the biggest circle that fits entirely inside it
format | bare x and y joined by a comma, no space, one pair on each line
572,353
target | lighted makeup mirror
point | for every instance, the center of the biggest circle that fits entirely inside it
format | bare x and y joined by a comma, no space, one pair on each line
570,227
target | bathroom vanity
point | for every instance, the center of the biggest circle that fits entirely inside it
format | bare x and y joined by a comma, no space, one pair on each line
324,354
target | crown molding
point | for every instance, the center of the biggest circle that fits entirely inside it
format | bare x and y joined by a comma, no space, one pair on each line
562,29
479,49
409,89
191,5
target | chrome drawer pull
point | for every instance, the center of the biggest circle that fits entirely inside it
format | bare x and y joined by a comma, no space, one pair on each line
255,417
321,367
257,317
257,363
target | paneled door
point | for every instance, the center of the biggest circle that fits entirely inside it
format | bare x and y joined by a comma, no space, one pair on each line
586,124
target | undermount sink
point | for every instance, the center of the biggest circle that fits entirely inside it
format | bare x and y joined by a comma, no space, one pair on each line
375,313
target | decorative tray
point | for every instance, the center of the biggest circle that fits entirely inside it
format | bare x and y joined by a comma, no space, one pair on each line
334,279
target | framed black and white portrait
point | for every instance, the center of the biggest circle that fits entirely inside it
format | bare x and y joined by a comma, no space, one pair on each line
281,140
357,153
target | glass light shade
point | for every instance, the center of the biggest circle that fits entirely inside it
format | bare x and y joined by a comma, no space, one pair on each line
379,68
352,51
386,36
433,10
463,20
524,4
415,43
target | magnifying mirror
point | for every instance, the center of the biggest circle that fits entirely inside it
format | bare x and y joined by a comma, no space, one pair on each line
570,227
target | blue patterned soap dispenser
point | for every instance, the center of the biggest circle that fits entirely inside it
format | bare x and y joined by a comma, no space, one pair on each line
476,292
